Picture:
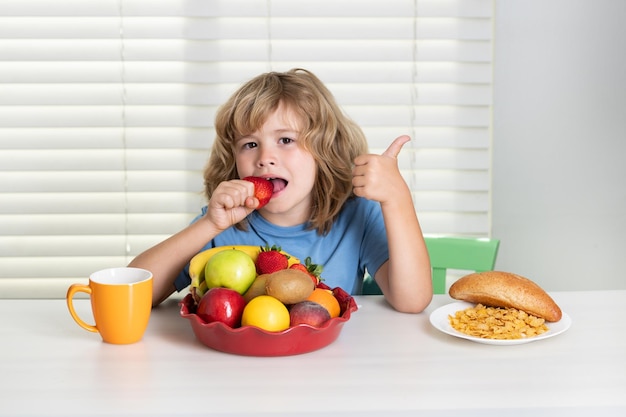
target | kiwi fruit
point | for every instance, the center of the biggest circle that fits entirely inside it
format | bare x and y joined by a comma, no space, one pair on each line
290,286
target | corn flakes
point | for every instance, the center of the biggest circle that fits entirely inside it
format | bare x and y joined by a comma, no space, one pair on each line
497,323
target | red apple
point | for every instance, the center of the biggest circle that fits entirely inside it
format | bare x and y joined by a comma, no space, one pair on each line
222,304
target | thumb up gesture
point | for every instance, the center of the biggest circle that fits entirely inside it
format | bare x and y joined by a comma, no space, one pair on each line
377,177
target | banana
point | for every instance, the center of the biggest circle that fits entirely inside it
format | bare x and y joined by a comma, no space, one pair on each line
199,261
202,288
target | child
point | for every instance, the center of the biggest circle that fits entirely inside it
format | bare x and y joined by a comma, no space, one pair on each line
348,210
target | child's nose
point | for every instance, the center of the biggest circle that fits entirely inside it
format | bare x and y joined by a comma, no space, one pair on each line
266,158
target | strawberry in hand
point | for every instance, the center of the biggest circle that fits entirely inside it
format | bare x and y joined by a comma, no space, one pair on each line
314,270
263,189
271,259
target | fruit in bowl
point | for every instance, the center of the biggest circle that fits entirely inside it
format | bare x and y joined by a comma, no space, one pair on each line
222,304
308,312
230,268
280,316
254,341
199,263
290,286
267,313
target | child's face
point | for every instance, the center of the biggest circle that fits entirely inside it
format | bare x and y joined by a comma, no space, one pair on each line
273,152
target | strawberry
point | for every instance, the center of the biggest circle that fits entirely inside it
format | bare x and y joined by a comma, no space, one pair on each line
314,270
263,189
270,260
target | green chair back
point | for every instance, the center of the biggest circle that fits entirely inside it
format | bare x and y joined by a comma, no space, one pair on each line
464,253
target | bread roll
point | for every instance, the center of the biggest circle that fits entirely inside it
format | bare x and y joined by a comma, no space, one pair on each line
504,289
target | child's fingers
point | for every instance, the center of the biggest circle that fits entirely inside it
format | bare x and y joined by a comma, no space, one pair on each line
396,146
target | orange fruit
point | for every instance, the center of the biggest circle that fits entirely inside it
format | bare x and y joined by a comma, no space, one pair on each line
327,300
267,313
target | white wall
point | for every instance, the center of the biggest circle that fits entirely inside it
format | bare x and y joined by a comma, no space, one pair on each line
559,159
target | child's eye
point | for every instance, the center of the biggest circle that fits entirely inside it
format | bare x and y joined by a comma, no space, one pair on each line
286,140
249,145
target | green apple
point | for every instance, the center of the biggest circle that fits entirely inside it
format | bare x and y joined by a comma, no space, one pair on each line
230,268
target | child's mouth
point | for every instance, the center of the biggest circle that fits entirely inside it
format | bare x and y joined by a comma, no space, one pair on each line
278,183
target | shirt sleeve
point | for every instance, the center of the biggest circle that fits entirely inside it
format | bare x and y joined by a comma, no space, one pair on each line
183,279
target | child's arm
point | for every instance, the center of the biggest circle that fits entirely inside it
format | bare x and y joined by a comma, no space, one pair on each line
230,203
405,278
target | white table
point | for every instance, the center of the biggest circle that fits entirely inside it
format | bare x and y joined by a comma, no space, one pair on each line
383,363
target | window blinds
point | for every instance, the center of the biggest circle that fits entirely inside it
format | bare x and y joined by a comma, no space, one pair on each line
107,106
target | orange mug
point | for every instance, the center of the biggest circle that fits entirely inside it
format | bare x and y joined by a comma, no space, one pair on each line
121,302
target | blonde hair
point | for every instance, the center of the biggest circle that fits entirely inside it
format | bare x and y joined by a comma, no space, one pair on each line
326,132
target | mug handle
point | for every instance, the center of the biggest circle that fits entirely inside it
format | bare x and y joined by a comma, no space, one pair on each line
74,288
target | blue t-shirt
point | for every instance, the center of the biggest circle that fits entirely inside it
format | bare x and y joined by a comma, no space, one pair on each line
356,242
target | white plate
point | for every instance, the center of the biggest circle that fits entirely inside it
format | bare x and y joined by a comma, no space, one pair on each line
439,319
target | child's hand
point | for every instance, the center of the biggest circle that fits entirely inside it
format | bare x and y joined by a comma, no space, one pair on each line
377,177
230,203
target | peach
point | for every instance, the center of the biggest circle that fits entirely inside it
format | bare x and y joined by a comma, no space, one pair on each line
308,312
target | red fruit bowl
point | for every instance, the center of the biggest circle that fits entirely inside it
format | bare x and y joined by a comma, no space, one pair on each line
253,341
